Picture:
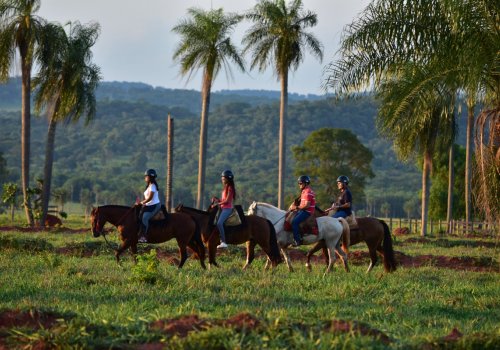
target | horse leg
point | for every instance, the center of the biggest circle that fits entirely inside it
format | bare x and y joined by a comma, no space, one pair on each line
319,245
212,251
199,251
343,256
124,246
250,253
331,258
284,250
182,252
133,249
373,258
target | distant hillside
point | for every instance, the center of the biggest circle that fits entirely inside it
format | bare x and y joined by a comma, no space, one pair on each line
129,135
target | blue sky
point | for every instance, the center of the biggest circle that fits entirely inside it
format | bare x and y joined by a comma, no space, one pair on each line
136,43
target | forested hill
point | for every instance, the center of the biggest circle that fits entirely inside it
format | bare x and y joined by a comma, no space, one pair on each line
128,135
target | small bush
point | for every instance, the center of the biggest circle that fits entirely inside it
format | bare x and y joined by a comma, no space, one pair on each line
146,269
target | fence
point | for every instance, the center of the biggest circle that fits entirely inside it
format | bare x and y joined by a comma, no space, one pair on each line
458,227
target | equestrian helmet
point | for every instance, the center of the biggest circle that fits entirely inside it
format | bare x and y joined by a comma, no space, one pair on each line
304,179
344,179
228,174
151,173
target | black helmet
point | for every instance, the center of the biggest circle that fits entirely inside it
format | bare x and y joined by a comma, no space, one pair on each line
228,174
150,172
344,179
304,179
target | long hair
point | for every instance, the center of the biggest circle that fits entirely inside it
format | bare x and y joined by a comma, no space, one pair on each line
153,181
230,183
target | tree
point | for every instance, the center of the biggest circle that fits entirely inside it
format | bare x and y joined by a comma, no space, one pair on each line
66,85
206,44
278,39
20,30
327,153
9,197
385,208
419,120
3,168
457,41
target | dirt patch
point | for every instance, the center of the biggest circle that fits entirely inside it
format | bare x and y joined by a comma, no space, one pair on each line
465,263
443,242
342,326
181,326
31,319
57,229
401,231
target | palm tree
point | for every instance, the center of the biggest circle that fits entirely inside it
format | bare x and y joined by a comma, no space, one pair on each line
456,40
206,44
278,38
20,30
66,85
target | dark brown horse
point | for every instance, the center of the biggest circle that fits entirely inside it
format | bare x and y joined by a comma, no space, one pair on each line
254,230
375,233
177,225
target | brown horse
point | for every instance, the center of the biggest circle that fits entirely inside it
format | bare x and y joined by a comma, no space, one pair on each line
253,230
177,225
374,232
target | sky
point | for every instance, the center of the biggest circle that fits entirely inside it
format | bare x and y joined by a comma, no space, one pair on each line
136,43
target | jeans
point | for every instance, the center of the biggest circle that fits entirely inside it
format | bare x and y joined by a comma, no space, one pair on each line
147,213
340,214
301,216
224,214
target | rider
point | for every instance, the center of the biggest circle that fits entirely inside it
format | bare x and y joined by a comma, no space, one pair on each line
343,205
305,208
150,204
225,203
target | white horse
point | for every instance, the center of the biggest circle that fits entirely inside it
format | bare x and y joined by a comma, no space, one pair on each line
330,229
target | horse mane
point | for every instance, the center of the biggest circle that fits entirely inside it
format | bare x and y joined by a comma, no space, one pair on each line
203,212
113,206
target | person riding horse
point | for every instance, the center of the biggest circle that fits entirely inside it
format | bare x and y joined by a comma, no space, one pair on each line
150,204
305,208
225,204
343,205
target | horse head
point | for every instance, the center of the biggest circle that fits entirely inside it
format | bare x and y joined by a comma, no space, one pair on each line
252,209
96,222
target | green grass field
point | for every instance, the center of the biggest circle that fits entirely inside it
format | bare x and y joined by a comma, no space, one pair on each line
73,280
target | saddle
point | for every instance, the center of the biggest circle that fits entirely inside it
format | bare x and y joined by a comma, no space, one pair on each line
351,220
306,227
160,218
236,218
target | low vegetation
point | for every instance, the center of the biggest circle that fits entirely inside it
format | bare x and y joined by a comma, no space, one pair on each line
63,289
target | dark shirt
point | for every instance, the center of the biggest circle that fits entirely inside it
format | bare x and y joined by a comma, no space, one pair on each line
343,198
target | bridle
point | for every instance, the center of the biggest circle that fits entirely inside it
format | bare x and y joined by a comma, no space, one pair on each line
101,231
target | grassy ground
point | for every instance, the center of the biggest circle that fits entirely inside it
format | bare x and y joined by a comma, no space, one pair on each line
96,303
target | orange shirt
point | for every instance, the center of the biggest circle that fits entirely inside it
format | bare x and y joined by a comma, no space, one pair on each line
227,194
308,195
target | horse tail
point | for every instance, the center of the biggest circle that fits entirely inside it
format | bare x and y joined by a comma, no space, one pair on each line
389,259
274,254
346,235
198,241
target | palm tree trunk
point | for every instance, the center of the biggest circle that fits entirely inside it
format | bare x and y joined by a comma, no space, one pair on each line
282,139
47,171
468,161
425,191
25,137
205,101
451,181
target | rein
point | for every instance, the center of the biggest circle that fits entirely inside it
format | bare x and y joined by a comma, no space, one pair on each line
281,218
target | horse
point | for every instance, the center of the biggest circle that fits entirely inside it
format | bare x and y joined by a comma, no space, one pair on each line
177,225
374,232
330,230
253,230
